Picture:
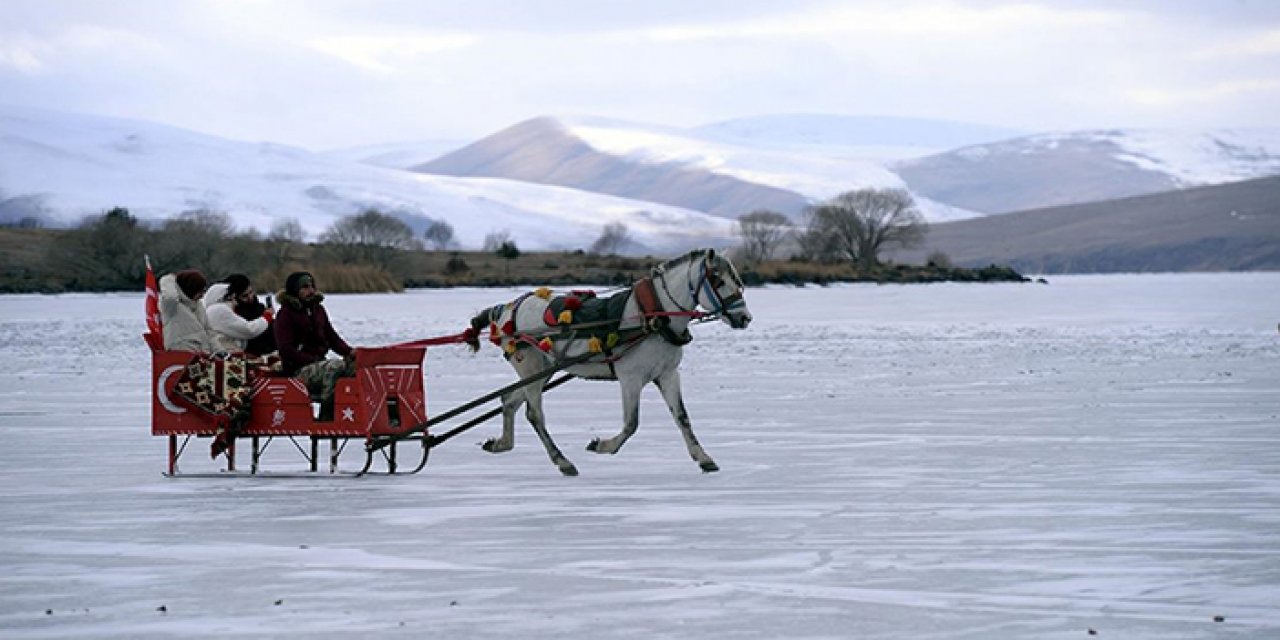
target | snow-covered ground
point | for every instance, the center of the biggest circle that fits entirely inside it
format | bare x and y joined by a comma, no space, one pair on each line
941,461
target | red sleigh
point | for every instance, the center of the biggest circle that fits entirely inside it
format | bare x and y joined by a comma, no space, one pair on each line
385,395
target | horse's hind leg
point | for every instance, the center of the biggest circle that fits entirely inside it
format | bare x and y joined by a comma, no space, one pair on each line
630,419
669,384
525,365
533,411
510,404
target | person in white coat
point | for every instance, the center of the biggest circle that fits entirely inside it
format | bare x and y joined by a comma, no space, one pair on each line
186,328
228,330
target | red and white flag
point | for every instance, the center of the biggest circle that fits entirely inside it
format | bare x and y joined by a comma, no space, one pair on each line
156,332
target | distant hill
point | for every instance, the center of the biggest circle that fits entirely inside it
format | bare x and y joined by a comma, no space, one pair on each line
553,183
1087,166
916,136
787,162
545,151
59,167
1225,227
397,155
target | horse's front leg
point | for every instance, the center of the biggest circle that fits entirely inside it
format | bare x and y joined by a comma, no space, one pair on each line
669,384
630,418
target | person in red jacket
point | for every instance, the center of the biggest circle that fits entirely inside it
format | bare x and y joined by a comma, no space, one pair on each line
304,338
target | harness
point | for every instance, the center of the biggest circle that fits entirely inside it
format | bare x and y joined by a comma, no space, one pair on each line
656,319
582,315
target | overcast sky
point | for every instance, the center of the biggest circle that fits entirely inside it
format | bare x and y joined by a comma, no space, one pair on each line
330,73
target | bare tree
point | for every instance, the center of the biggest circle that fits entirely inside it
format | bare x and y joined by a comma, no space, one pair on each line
612,238
494,240
762,232
283,239
195,240
440,234
372,237
856,225
287,230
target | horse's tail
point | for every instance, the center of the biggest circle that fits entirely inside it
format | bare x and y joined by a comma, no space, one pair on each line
472,335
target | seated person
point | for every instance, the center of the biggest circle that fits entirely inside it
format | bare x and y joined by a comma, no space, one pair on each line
304,337
229,331
265,342
186,327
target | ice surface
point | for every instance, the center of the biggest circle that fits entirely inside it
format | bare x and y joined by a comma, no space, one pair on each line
930,461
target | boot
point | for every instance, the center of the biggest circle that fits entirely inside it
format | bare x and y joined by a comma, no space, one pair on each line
326,411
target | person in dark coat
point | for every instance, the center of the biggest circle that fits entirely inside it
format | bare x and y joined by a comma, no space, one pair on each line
251,308
304,338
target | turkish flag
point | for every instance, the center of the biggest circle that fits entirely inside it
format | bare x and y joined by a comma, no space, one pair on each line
155,335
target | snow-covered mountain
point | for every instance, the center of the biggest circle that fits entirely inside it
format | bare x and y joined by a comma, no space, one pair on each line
705,171
59,167
878,136
553,183
1087,166
398,155
789,161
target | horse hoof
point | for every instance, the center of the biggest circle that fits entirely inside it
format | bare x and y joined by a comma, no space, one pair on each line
708,466
594,444
491,445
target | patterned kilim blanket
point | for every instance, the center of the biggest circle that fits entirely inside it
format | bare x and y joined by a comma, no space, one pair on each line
223,385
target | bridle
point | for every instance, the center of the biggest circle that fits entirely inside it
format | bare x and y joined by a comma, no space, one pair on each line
710,281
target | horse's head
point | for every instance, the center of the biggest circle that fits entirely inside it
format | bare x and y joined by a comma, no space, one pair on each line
720,290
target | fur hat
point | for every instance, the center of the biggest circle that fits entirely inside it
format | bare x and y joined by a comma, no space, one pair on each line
237,284
192,282
296,281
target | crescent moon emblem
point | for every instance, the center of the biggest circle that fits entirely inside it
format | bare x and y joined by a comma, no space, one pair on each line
160,392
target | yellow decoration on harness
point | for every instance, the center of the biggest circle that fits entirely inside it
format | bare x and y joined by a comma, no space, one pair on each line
611,341
545,344
566,317
509,347
543,292
594,346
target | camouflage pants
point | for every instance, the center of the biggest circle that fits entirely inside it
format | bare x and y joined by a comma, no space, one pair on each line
322,377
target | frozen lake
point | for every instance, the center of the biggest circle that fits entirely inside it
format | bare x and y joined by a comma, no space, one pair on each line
940,461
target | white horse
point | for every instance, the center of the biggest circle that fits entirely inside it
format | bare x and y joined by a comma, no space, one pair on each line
644,345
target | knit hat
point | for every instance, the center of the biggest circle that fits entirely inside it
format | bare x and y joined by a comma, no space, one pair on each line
192,282
296,280
237,284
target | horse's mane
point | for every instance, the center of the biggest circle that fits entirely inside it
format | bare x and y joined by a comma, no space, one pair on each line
679,260
699,253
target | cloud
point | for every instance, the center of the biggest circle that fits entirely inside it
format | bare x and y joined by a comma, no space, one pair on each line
386,54
1266,43
384,70
1215,92
19,57
935,19
31,55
